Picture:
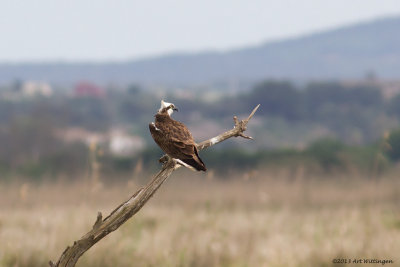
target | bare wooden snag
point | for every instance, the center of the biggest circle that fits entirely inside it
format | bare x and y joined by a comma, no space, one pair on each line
127,209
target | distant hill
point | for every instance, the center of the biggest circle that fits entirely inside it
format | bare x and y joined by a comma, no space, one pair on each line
347,52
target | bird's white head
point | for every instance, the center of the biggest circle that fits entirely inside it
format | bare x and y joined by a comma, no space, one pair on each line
168,106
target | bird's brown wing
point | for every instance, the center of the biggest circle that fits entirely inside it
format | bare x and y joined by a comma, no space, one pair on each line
157,135
187,152
170,142
181,149
175,139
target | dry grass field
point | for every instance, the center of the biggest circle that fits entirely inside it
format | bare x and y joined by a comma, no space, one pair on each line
252,220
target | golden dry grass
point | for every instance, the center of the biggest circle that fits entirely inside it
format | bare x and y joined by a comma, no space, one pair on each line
192,221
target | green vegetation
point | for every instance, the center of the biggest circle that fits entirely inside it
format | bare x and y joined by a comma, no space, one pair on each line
325,127
392,147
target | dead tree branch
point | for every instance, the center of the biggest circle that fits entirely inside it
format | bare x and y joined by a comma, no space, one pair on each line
127,209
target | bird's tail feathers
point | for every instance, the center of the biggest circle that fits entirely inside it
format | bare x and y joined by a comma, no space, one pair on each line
196,164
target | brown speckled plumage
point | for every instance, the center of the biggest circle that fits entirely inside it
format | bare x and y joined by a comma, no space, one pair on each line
174,138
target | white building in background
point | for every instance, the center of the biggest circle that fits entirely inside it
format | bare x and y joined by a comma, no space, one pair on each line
117,141
122,144
33,88
76,134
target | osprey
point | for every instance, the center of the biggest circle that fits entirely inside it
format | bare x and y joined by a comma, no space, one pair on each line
174,138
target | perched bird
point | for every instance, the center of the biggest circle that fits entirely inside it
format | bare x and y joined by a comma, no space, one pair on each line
174,138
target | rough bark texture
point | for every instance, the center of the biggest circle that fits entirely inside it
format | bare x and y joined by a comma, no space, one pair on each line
127,209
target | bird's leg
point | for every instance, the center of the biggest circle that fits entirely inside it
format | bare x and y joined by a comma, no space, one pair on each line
163,159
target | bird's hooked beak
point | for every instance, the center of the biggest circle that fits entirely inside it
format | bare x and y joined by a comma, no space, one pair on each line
174,108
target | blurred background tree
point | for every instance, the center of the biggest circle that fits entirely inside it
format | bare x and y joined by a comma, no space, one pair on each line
393,145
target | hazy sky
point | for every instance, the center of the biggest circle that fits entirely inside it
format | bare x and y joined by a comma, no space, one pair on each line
102,30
